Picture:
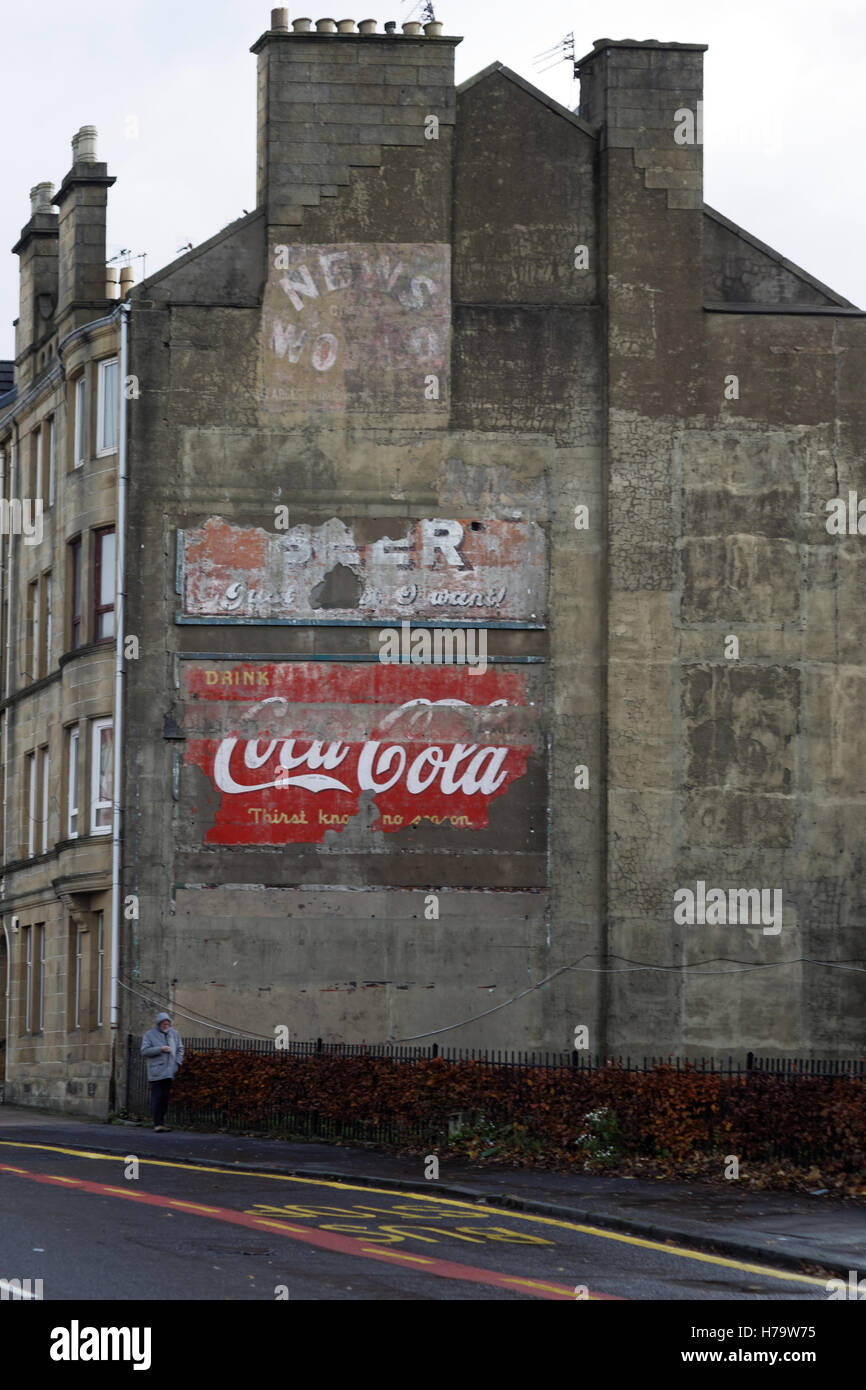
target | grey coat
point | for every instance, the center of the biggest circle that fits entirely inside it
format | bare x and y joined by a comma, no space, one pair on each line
161,1066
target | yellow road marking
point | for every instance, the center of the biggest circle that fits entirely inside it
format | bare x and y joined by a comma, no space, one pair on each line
766,1271
532,1283
281,1225
398,1255
193,1206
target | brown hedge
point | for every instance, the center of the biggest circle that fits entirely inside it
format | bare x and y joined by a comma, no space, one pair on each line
662,1112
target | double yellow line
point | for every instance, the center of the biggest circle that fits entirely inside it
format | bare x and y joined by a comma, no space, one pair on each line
765,1271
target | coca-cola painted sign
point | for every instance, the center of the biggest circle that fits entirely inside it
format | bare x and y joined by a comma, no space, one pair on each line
293,750
433,568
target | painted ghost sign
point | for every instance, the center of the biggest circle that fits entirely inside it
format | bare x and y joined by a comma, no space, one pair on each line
292,750
356,325
434,568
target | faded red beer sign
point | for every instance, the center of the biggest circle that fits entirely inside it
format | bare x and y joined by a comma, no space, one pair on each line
431,568
296,749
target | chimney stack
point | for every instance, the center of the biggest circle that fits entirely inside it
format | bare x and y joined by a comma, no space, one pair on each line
82,201
333,98
84,145
638,92
646,98
42,198
37,252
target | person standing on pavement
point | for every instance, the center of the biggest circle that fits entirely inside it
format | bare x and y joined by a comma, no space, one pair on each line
163,1049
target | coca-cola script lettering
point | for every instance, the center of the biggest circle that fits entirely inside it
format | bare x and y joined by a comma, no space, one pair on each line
442,755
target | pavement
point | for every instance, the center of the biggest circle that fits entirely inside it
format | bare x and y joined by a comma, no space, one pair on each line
788,1229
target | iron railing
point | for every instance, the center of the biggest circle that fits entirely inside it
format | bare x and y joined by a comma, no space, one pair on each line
310,1125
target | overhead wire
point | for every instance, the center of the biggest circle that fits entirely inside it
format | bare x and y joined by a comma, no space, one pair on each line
630,967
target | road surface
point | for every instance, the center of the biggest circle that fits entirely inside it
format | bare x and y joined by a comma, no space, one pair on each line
94,1226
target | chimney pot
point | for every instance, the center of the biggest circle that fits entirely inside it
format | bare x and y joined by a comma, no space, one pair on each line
433,29
366,26
111,286
127,280
41,197
279,19
412,29
302,26
345,26
326,26
391,27
84,145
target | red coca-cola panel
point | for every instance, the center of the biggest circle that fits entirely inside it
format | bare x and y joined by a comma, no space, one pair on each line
295,749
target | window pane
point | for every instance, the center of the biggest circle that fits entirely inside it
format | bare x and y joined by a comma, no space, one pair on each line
104,579
76,593
31,802
108,405
106,572
46,583
33,636
28,979
101,778
44,807
79,940
73,783
51,461
105,742
79,421
100,959
41,995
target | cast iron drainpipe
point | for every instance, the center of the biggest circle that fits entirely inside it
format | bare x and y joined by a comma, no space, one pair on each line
13,483
119,619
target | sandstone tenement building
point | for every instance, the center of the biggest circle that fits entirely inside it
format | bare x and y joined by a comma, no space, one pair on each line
474,360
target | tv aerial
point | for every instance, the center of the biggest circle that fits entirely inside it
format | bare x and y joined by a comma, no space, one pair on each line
552,57
423,9
126,256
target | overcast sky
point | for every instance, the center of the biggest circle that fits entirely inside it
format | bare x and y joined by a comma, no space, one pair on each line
784,110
